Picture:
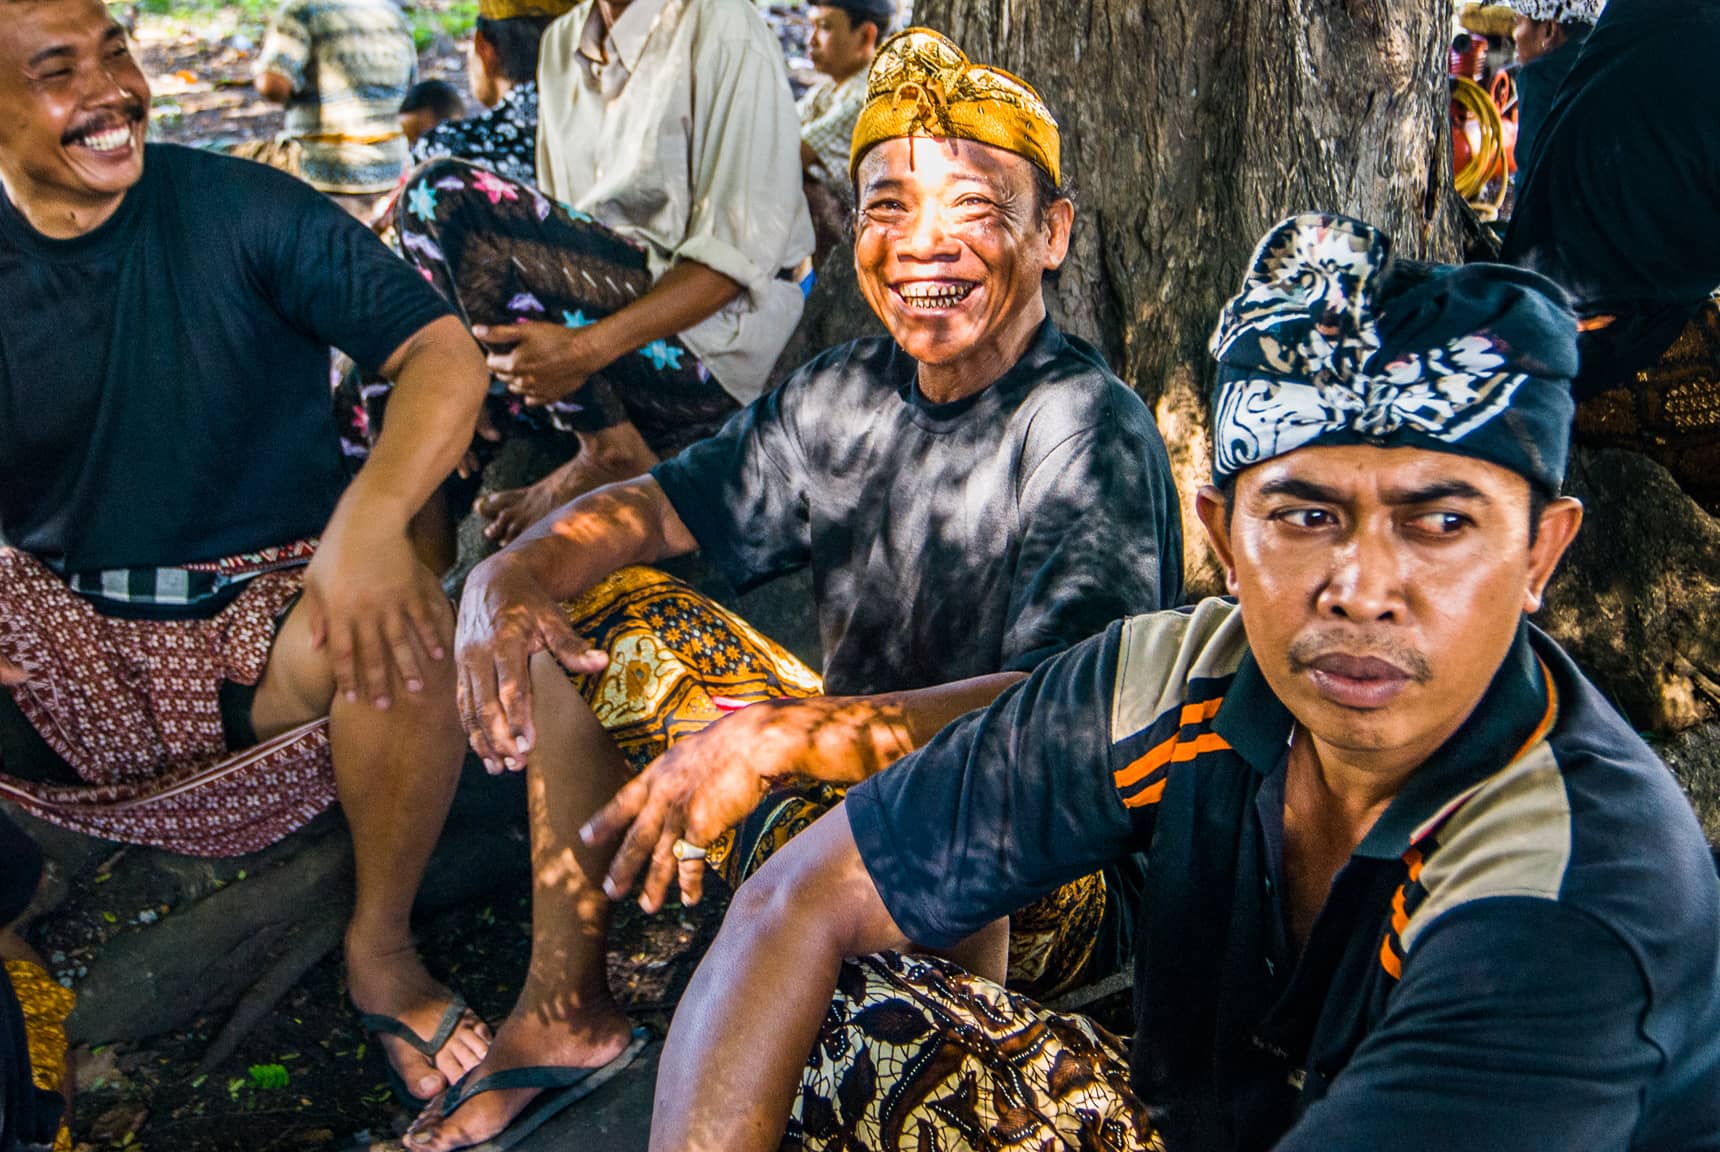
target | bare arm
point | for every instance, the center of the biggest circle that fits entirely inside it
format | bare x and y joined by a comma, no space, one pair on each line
707,783
545,362
369,597
512,605
762,990
273,87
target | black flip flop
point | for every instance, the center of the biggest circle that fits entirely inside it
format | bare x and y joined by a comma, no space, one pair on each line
376,1024
562,1087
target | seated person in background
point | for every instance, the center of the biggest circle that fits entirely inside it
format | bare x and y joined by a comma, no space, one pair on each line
1618,208
35,1086
972,496
429,103
1410,879
844,36
1549,36
502,67
636,301
342,69
183,664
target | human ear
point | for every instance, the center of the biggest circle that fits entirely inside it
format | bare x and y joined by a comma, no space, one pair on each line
1214,512
1059,224
1560,521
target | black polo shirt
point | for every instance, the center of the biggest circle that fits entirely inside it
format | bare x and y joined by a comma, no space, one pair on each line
1523,953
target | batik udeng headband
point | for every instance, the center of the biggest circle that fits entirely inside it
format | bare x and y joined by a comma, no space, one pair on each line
1328,344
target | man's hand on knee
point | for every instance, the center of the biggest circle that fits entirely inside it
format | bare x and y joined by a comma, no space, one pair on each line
505,619
378,612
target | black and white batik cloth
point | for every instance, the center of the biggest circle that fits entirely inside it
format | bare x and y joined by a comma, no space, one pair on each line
1330,341
504,139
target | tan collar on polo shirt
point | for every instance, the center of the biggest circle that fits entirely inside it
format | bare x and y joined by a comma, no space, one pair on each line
605,46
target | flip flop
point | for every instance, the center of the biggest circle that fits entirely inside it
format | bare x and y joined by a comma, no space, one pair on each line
562,1087
377,1024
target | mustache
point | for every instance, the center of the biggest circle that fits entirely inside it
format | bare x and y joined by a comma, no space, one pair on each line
128,113
1306,651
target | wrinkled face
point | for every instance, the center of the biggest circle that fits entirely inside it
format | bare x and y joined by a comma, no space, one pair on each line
1381,588
77,103
951,248
836,46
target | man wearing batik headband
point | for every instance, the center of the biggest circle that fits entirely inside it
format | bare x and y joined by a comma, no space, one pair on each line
1411,881
1549,35
973,495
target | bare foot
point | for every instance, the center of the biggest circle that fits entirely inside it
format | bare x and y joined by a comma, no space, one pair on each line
605,457
396,984
529,1037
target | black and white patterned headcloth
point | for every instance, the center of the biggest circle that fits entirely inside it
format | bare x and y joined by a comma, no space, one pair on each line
1332,342
1561,11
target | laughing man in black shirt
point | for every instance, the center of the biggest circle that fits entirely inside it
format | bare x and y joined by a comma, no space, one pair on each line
972,497
169,647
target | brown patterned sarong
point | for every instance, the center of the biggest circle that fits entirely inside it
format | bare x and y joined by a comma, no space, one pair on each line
679,661
1670,412
917,1054
133,707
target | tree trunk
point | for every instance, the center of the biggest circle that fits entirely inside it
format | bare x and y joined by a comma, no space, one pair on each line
1189,127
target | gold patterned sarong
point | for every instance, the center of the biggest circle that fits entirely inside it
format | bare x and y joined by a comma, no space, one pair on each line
679,662
45,1006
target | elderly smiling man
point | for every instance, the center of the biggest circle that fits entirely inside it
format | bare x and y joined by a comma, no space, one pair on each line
183,664
1411,882
943,486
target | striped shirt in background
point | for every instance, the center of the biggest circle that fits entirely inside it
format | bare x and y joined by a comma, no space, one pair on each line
350,63
828,113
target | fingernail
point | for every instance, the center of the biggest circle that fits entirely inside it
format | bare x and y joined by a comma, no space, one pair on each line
611,889
508,760
585,834
415,685
351,697
382,703
492,768
437,653
525,744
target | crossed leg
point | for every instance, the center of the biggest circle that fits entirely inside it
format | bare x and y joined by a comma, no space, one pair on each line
395,772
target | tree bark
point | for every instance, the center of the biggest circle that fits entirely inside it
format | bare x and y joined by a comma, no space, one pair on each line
1189,127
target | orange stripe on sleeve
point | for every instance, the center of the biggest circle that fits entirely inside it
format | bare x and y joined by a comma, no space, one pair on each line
1389,960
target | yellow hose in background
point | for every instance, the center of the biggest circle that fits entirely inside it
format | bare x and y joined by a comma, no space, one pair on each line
1489,158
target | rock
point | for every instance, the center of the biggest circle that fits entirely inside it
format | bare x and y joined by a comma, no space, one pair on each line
1637,603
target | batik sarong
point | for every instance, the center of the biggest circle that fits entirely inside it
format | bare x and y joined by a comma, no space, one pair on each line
133,707
44,1006
33,1011
916,1054
1670,412
678,662
502,252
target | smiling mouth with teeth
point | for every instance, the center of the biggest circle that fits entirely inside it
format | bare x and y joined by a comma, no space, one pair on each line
934,294
109,140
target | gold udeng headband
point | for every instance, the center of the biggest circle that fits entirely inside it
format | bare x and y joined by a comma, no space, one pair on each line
921,84
514,9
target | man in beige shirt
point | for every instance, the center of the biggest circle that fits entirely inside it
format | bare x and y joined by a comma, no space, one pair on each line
643,295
